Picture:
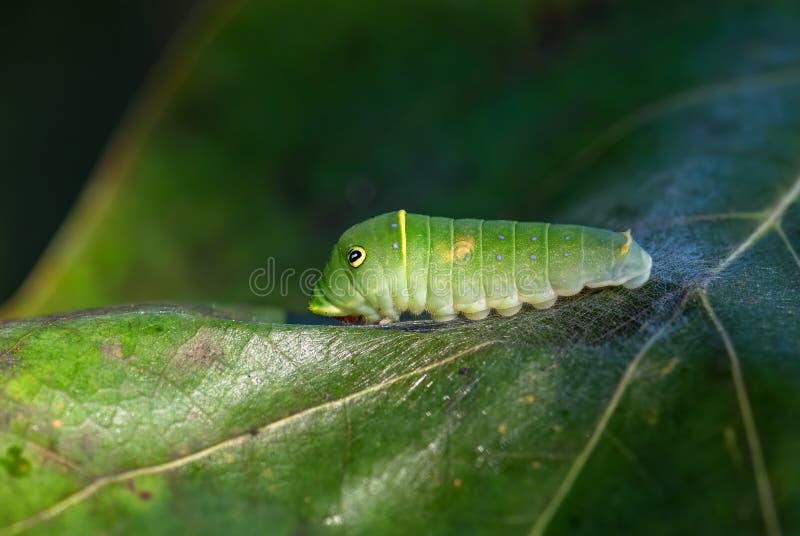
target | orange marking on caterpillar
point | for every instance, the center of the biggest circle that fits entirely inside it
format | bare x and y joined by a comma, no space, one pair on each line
626,247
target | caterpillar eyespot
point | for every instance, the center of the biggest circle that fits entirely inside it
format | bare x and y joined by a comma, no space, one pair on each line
356,255
446,267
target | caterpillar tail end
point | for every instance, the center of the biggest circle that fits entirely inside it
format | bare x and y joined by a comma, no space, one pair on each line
644,276
626,247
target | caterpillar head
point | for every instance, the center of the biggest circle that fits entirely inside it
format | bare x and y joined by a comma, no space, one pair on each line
357,278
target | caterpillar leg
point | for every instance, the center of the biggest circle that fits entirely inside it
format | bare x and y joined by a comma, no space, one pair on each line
443,317
510,311
547,304
478,315
637,282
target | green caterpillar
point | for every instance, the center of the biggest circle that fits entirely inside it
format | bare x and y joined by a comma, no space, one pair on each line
400,262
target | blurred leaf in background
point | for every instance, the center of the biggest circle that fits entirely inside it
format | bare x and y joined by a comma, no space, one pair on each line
68,73
279,125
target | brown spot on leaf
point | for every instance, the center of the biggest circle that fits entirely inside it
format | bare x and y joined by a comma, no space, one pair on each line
143,495
111,350
201,350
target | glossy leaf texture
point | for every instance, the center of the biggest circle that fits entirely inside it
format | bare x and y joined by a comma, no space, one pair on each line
668,409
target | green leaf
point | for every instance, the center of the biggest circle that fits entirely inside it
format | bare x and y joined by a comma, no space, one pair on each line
615,410
668,409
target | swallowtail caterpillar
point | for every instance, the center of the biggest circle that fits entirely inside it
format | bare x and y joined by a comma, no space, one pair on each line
399,262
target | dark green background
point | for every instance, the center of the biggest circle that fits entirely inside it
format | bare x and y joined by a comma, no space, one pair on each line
278,127
69,70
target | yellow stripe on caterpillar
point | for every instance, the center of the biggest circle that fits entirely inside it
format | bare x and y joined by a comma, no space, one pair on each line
401,220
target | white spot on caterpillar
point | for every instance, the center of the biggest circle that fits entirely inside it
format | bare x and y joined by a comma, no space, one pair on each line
566,254
394,224
533,257
501,237
566,237
394,245
533,238
499,257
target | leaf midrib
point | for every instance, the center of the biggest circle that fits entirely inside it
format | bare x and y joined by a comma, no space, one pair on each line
99,483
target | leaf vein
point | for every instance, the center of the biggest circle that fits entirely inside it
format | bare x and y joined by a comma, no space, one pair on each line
578,464
86,492
789,246
772,220
763,486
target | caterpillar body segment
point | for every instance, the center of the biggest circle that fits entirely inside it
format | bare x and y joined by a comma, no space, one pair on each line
399,262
